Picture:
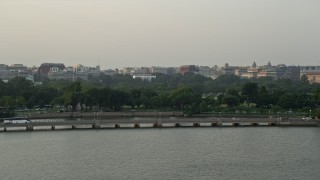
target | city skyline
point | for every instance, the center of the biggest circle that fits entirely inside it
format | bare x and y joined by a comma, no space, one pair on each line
17,64
138,33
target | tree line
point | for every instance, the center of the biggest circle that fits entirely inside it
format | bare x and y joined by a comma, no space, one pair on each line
190,93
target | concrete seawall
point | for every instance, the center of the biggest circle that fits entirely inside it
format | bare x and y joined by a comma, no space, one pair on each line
116,123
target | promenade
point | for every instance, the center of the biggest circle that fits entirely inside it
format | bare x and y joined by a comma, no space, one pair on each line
95,115
155,122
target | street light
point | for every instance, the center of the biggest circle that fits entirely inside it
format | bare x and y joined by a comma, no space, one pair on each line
310,114
212,114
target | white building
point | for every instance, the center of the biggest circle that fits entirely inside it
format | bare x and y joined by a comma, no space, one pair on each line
157,69
144,77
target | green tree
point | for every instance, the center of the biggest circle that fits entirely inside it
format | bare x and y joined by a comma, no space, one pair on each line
119,99
287,101
231,101
263,98
31,102
304,100
135,96
183,96
72,94
19,86
46,94
304,79
203,106
146,97
250,92
8,102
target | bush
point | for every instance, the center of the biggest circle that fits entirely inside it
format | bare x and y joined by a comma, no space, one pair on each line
317,113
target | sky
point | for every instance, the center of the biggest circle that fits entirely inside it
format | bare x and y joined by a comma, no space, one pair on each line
121,33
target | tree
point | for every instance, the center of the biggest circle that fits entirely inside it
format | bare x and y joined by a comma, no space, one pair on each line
20,102
118,99
161,101
287,101
227,79
304,100
231,101
203,106
146,97
3,87
250,92
4,113
316,96
8,102
304,79
31,102
46,94
72,94
264,98
317,113
19,86
135,96
183,96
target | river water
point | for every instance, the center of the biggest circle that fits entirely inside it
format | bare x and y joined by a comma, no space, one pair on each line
171,153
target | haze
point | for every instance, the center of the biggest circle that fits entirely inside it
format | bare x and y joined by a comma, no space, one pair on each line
118,33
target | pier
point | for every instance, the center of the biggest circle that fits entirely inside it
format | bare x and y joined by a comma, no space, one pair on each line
54,124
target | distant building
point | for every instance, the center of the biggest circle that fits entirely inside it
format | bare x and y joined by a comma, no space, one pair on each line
228,69
15,70
268,66
136,70
18,67
173,70
313,77
7,74
254,65
30,78
33,70
290,72
280,71
144,77
157,69
268,73
90,71
73,73
241,71
312,72
44,69
188,69
128,70
143,70
3,67
68,74
109,72
206,71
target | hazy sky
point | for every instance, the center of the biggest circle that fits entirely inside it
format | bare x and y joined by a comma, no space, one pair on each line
118,33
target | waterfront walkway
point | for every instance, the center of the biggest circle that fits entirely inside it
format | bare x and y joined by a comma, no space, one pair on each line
167,122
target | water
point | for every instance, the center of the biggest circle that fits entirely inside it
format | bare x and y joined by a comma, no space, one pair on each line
174,153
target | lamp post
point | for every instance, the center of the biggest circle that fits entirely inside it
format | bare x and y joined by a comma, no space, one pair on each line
310,114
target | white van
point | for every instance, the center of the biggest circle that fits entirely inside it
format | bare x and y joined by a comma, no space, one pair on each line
16,120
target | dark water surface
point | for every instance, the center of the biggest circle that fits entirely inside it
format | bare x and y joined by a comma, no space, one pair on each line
177,153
